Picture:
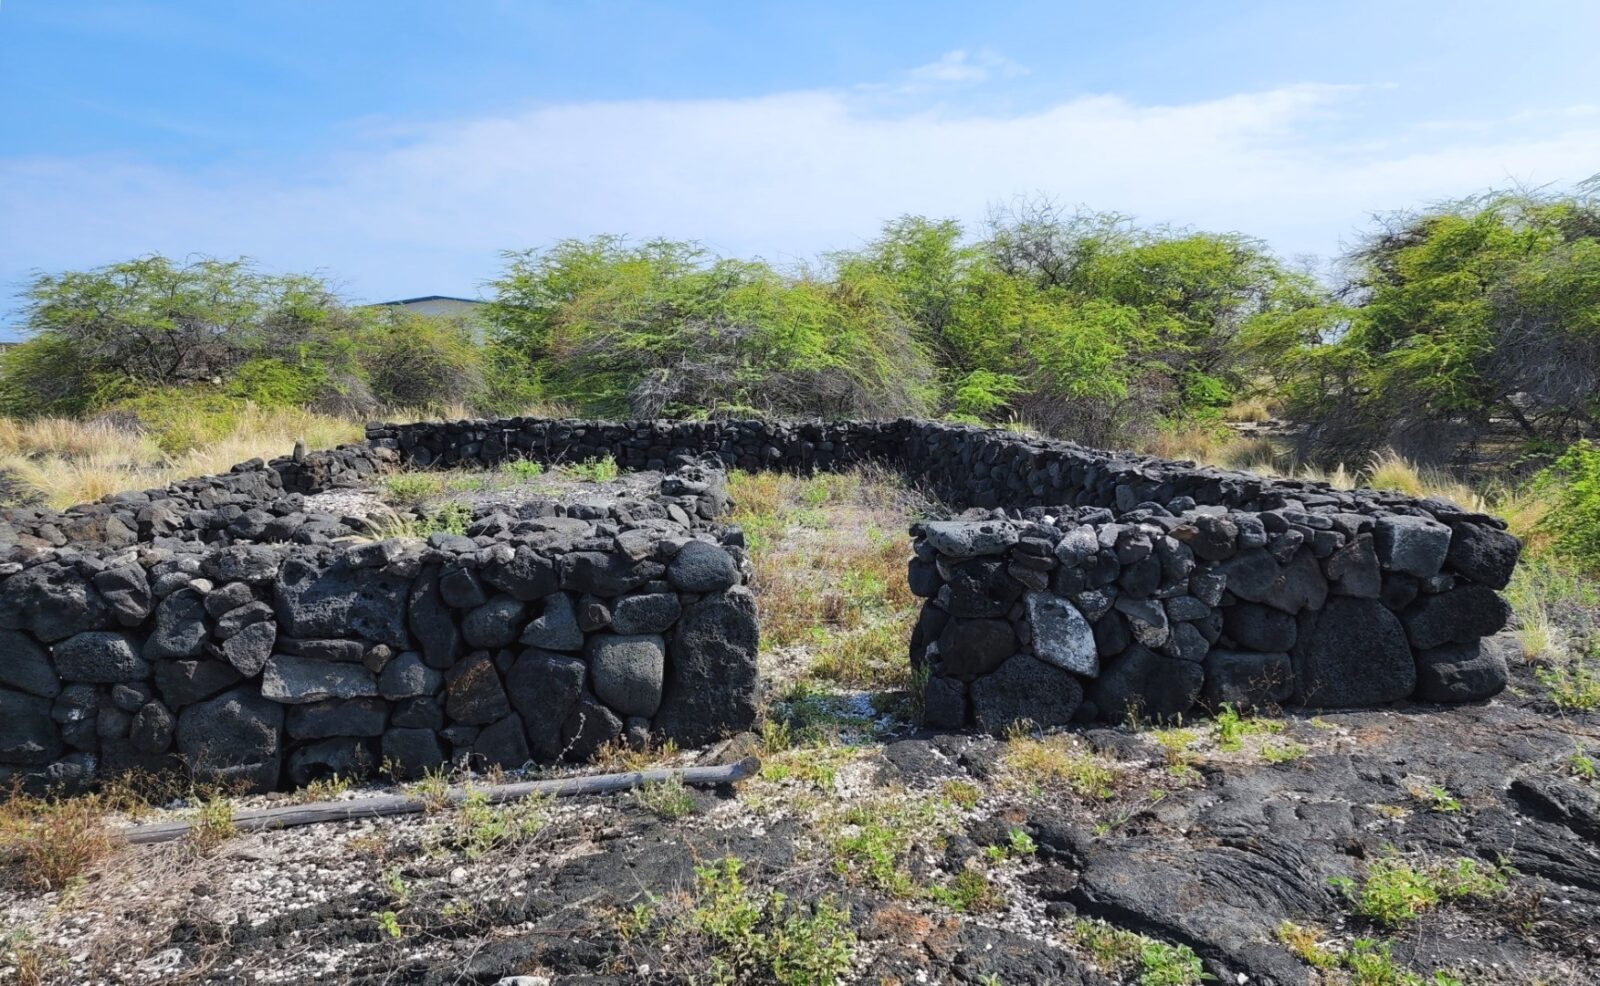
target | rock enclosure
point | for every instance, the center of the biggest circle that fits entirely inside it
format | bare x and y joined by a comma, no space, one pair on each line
222,626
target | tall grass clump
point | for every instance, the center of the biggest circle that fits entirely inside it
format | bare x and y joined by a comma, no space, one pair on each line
53,841
64,462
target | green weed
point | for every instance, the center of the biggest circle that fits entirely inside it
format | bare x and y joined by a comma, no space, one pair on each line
668,799
602,470
767,939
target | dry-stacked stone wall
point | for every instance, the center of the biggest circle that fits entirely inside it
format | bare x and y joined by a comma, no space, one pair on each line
226,625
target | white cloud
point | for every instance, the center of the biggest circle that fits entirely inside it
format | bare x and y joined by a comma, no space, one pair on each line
425,209
960,66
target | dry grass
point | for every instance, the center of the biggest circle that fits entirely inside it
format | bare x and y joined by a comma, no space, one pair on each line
1216,445
823,560
53,842
1055,761
1252,409
66,462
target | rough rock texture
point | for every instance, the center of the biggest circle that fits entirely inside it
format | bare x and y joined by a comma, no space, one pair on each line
711,675
1125,573
1025,690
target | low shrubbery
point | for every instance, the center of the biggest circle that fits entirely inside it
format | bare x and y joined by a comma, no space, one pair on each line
128,337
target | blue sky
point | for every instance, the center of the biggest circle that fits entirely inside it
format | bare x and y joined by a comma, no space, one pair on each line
399,146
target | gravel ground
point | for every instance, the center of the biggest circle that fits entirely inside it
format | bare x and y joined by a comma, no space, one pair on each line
1191,844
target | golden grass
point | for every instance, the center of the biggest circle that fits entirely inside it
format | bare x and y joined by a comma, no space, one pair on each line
1252,409
67,462
1055,761
1215,445
53,841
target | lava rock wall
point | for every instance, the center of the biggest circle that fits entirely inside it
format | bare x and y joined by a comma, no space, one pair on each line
1085,584
274,656
225,625
1082,616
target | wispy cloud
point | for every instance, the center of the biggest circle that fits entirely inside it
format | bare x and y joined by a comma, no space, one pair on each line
962,66
425,209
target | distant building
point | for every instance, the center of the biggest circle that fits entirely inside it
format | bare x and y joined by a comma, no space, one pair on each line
468,311
437,304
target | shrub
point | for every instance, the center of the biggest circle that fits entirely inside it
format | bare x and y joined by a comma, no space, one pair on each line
101,335
668,799
420,361
1572,483
766,938
1468,313
664,328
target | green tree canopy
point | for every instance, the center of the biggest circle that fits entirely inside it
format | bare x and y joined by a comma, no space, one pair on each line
1470,313
124,332
666,328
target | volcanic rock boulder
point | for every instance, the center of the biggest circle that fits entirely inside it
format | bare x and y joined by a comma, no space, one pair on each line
710,688
236,737
1352,652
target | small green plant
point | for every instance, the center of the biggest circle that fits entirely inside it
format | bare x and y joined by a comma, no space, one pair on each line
480,828
963,793
1392,894
1156,963
969,892
1018,844
450,518
1371,963
1395,891
388,923
767,940
410,488
433,789
325,788
212,822
1581,765
1442,800
1041,763
602,470
669,799
1572,684
1177,743
523,470
870,841
1285,752
1232,727
636,922
1303,942
1169,965
1468,878
1110,947
393,882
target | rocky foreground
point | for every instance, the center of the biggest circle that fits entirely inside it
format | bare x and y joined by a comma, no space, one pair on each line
1448,845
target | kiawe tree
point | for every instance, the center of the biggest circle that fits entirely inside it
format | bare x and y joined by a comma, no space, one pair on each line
665,328
1459,320
147,336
